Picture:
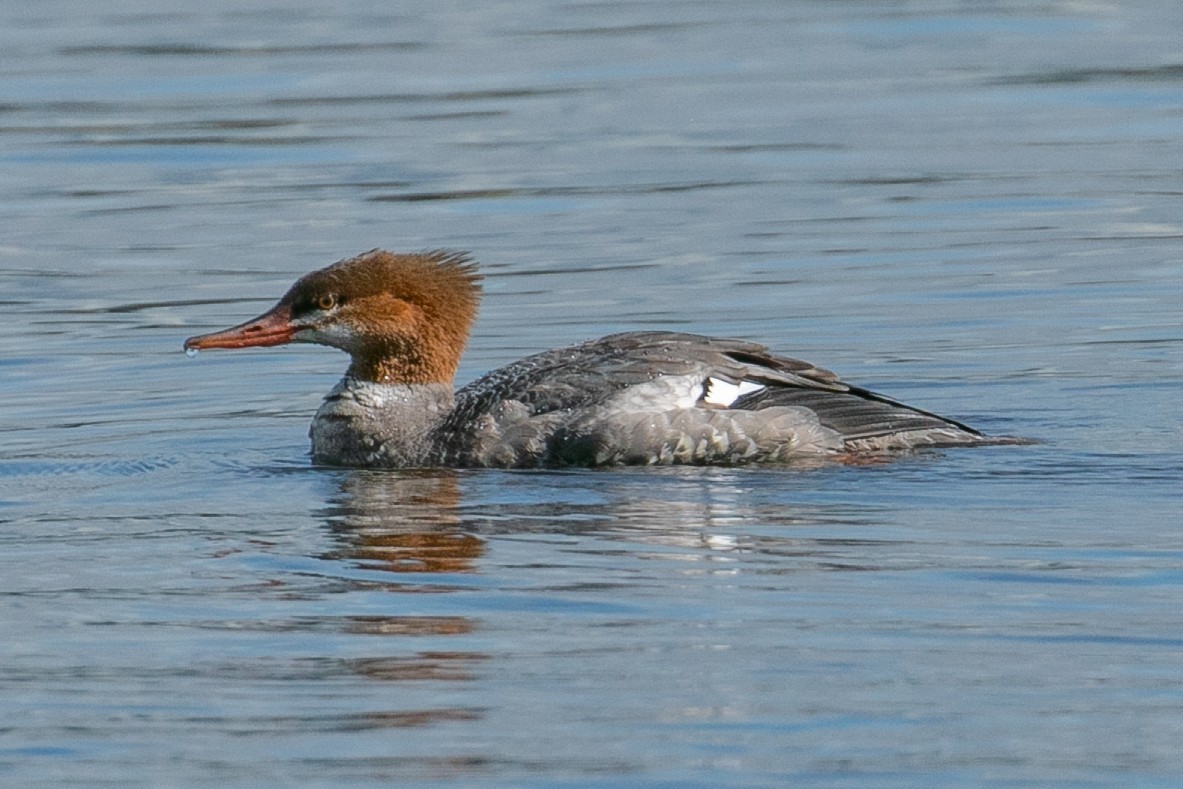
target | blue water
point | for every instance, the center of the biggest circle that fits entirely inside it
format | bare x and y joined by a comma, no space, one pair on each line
973,207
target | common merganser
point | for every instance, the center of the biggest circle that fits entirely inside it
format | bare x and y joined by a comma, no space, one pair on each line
650,397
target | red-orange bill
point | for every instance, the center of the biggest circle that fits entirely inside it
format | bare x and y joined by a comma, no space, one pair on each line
271,328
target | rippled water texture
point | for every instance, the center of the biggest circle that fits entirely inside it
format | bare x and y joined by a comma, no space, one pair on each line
974,207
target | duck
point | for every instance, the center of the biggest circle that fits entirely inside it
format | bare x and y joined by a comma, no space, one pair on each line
633,398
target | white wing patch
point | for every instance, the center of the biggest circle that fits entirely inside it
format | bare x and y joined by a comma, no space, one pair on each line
682,392
689,399
722,393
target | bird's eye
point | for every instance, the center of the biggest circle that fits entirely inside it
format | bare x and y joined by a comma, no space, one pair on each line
326,301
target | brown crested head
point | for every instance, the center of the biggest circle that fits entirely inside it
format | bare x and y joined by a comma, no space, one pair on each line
402,318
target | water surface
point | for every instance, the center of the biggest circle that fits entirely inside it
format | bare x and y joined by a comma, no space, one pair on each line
973,207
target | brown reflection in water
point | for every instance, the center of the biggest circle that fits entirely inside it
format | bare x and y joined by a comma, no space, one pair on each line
407,720
403,522
452,666
406,522
346,722
408,625
417,552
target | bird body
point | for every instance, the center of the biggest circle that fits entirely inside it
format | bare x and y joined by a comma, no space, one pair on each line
635,398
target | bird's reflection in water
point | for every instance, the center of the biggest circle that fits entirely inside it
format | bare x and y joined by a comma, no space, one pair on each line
440,521
403,522
749,518
741,519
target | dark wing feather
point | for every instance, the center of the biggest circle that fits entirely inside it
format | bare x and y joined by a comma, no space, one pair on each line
852,411
855,414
